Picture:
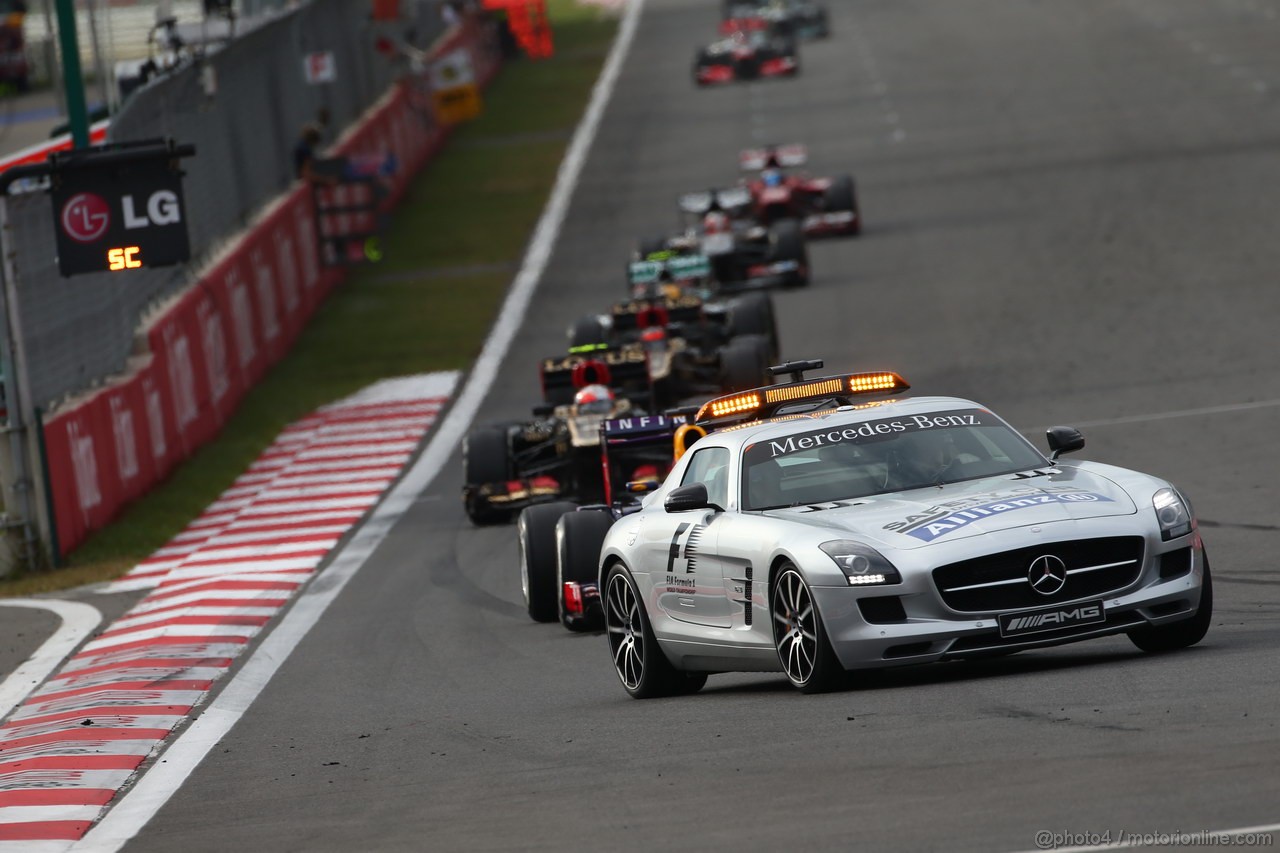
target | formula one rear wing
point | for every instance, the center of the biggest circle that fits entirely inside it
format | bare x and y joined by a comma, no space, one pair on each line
729,200
624,369
657,312
674,268
773,157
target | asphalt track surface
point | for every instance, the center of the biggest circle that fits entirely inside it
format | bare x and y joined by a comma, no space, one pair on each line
1071,215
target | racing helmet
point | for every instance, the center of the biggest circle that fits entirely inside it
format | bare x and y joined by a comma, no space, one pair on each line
593,400
654,339
771,177
715,222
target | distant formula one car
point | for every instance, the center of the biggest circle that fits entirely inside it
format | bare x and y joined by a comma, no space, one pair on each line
813,534
749,53
560,542
825,206
694,347
802,18
743,253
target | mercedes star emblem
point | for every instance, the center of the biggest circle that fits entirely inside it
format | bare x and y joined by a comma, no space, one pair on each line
1047,574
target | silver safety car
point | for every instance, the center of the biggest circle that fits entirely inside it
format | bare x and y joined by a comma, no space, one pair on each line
814,530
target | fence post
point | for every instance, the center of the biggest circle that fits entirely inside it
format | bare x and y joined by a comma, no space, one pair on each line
19,485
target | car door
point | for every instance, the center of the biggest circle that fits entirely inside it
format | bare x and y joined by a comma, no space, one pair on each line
680,548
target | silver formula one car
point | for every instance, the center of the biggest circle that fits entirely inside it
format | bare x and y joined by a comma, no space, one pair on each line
814,531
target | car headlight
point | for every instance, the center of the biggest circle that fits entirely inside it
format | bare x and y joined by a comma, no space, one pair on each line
1172,513
862,565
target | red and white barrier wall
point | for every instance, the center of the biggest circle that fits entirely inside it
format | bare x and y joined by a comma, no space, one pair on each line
74,743
216,341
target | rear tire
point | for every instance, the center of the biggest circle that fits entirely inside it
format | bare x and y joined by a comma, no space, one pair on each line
842,196
788,245
486,459
800,637
536,532
650,245
579,538
641,665
744,363
1179,635
753,315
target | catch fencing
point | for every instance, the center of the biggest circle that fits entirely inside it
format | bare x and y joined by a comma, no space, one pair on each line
208,347
133,372
243,107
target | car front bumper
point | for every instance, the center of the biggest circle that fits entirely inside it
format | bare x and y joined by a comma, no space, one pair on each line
944,635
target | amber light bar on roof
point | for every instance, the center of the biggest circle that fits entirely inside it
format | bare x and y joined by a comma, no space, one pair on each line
734,405
882,382
863,383
817,388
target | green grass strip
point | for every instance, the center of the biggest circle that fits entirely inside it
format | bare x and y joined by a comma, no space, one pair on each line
449,257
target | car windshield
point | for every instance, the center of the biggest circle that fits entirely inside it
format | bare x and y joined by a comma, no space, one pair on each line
856,460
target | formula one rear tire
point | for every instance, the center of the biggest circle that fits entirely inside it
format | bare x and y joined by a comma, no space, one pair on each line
536,533
579,538
744,363
753,315
486,459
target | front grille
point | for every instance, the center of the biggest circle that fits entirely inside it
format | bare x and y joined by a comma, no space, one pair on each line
1095,567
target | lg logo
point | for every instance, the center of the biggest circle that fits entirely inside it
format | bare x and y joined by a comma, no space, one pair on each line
85,217
162,209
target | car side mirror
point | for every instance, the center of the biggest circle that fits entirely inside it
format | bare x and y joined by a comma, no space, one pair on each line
692,496
543,410
1063,439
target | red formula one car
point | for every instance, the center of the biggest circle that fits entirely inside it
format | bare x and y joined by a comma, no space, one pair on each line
751,51
825,206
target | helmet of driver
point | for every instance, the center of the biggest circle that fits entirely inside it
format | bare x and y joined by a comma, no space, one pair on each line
771,178
593,400
715,222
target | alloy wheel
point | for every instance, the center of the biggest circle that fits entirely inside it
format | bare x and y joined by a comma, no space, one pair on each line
626,632
795,630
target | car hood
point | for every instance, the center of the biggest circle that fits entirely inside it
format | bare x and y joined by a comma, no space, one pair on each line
906,520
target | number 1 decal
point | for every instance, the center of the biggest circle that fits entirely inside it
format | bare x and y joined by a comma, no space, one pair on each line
674,553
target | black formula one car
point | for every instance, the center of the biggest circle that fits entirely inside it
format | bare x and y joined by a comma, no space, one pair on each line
802,18
695,347
753,50
824,206
743,252
555,454
560,542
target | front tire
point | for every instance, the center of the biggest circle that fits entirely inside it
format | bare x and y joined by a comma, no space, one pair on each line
1179,635
640,663
800,637
536,532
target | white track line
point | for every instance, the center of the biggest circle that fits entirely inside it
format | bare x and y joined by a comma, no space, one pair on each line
157,784
1182,413
78,621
